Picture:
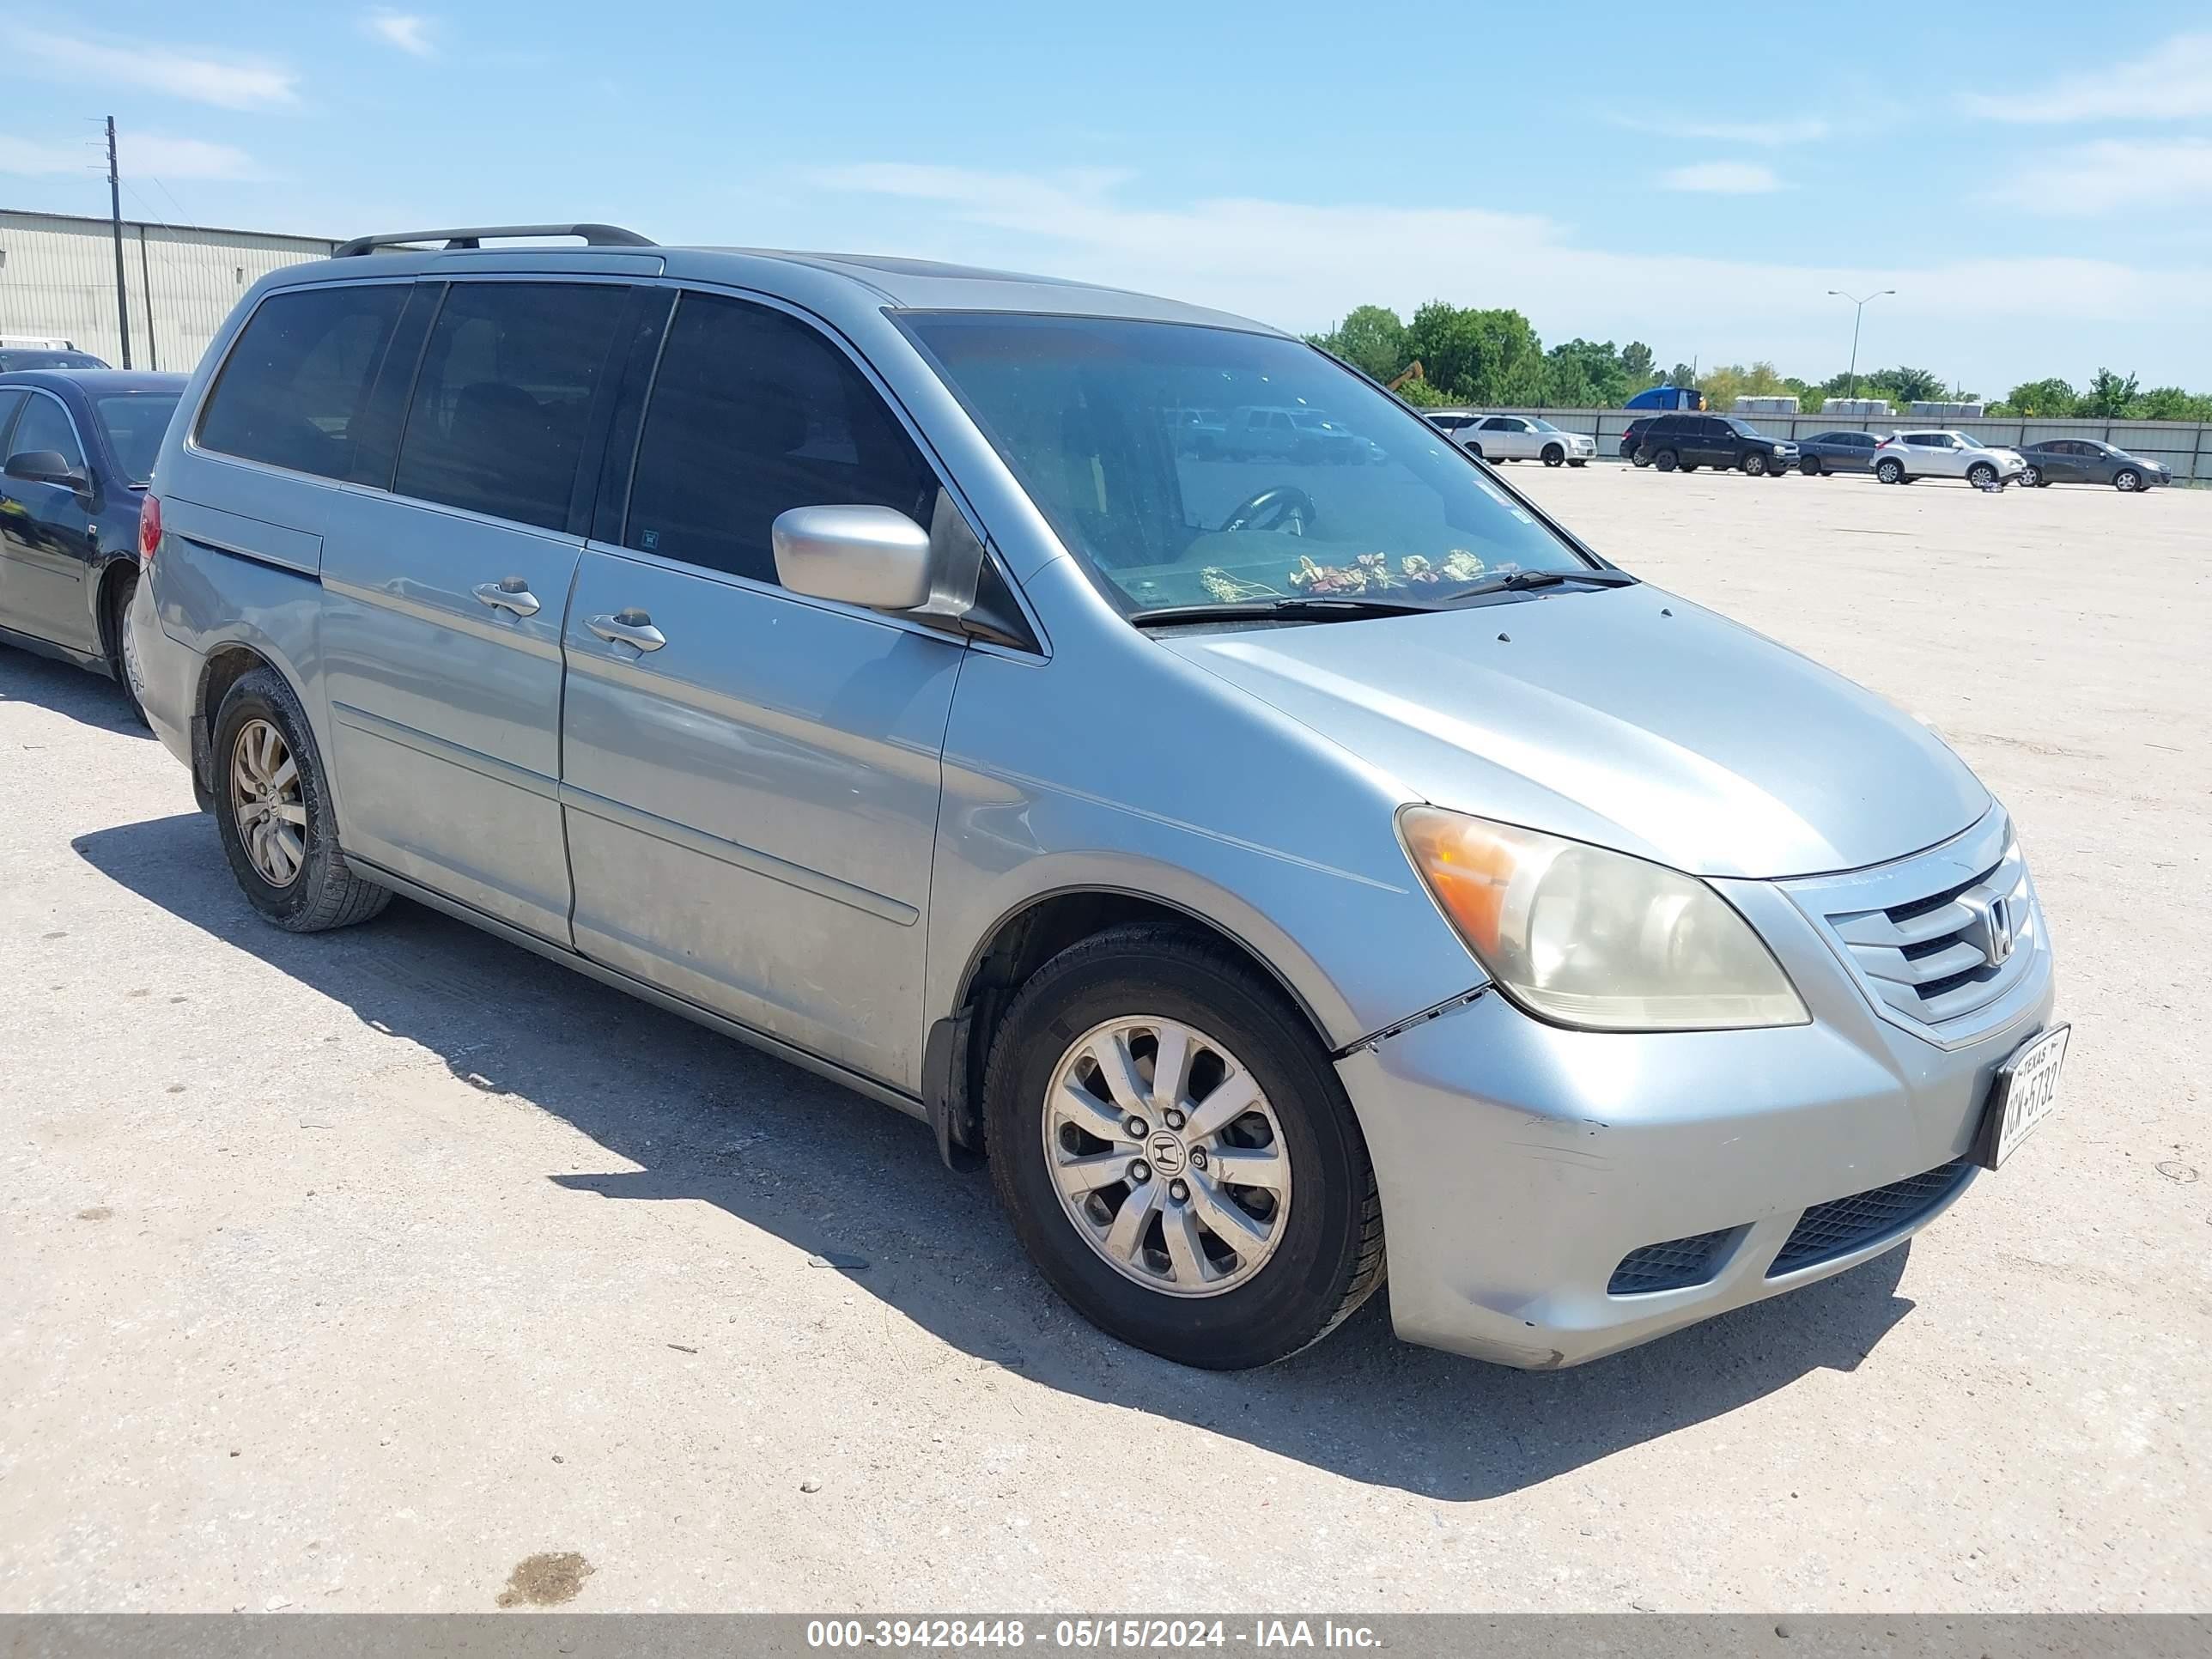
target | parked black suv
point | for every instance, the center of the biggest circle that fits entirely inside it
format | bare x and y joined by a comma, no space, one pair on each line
1687,442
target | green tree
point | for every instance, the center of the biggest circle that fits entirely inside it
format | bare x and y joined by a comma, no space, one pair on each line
2109,395
1636,363
1583,374
2051,397
1478,356
2170,402
1371,338
1682,374
1902,386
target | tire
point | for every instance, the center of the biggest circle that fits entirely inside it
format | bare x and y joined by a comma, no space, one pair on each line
321,893
1809,465
1666,460
2031,475
1690,466
2127,481
1325,1256
1981,475
1475,450
1554,456
1754,464
115,624
1584,462
1890,472
1640,459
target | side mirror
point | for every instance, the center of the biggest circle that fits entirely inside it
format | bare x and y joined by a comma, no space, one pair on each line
872,556
47,466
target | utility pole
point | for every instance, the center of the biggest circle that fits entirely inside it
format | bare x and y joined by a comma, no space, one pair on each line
1837,293
115,222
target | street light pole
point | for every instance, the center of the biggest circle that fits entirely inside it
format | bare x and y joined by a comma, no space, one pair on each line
1838,294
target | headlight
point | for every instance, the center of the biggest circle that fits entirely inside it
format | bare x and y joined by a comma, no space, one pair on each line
1589,938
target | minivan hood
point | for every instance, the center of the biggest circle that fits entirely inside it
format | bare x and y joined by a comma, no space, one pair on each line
1625,717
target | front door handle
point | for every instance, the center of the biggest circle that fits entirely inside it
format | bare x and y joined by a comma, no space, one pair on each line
511,594
631,627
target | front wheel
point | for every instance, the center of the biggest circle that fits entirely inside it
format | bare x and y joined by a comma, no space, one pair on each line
1554,456
1755,466
2031,476
1177,1153
1809,465
1890,472
1581,463
1982,475
2127,481
272,808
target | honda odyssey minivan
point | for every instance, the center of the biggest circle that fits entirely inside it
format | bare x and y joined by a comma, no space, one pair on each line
1284,877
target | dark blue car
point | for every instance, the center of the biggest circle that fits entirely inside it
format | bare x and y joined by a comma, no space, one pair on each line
79,445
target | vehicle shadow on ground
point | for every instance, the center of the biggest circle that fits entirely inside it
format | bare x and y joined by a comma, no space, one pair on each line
92,699
708,1120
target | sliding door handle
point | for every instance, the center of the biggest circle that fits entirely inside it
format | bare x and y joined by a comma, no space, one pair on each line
631,627
512,594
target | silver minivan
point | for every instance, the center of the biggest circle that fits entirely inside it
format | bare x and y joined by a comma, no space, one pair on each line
1272,873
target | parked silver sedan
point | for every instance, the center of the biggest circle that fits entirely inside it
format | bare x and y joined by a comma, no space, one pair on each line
1271,874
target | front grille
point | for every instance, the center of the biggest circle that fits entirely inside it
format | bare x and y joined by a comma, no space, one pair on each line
1936,954
1669,1266
1844,1224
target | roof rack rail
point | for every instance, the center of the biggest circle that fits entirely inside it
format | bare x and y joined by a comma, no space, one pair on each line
472,236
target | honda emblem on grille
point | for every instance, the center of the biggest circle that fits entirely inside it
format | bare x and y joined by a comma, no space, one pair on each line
1993,922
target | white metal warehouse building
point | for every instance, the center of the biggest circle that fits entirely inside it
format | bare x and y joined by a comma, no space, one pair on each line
58,282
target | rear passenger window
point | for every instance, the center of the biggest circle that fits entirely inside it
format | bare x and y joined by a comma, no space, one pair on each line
504,397
298,380
754,413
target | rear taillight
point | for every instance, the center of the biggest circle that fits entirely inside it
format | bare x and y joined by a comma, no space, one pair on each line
149,527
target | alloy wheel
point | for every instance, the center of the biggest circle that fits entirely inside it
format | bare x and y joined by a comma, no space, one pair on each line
265,801
1168,1159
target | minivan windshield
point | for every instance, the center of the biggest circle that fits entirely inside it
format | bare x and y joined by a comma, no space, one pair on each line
1084,410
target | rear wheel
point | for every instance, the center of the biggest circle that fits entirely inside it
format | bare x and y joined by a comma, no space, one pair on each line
1666,460
121,651
272,808
1177,1153
1890,471
2127,481
1585,462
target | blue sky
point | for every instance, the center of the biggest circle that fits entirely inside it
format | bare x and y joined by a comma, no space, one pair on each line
2035,180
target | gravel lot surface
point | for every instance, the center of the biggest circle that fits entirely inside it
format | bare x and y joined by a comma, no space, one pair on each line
397,1269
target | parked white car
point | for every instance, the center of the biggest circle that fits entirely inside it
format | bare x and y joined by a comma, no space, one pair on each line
1514,438
1906,456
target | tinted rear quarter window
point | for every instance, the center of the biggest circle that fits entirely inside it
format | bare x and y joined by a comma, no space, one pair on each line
754,413
293,388
504,398
135,424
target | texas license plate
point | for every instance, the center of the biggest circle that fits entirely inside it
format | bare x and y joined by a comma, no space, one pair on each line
2026,1090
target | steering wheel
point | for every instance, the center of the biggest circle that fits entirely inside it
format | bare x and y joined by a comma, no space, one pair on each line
1285,507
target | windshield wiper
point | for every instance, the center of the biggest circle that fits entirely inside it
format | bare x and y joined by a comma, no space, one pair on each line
1520,581
1302,607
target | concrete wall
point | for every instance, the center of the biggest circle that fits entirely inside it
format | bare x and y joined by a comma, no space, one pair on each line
58,278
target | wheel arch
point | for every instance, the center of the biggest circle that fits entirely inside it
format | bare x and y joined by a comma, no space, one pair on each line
113,569
1025,937
223,666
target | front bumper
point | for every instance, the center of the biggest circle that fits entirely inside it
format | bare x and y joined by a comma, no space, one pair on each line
1519,1163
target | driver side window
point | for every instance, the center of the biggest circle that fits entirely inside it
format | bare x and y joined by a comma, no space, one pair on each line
45,425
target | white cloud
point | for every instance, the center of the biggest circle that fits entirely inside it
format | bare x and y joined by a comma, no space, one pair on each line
405,30
1723,179
2173,83
1989,321
27,156
2112,174
1768,133
187,72
141,155
169,158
